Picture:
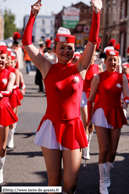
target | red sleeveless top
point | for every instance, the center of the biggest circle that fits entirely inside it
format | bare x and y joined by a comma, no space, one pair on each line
4,77
109,90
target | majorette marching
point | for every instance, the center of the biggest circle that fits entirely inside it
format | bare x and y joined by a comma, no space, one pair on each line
80,95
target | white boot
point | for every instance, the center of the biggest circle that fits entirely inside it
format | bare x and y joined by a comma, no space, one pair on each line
102,173
10,143
89,137
15,125
84,150
2,160
109,167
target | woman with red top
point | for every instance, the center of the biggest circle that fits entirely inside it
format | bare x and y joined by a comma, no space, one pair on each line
7,116
108,116
61,133
91,72
14,98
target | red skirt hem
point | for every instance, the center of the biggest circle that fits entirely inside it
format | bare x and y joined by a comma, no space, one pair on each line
70,134
7,117
14,99
115,116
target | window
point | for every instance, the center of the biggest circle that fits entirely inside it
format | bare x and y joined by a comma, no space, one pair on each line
43,30
43,22
51,22
124,7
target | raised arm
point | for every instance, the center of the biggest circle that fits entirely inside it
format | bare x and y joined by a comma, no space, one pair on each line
40,62
85,59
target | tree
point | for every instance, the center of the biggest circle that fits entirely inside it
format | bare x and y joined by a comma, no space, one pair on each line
9,26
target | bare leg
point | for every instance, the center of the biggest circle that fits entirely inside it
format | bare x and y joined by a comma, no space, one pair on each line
103,141
114,137
53,164
89,134
71,161
10,143
3,140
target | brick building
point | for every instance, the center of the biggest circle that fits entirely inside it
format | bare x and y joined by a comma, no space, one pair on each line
115,23
81,30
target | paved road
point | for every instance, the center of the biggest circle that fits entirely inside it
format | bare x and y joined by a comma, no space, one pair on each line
25,164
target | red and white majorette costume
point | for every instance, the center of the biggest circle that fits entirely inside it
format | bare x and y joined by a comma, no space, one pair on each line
108,112
91,72
7,116
63,85
61,127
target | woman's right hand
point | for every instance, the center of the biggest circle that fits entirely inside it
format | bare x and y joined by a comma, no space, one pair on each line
36,7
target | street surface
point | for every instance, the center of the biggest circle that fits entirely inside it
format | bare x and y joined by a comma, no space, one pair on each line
25,166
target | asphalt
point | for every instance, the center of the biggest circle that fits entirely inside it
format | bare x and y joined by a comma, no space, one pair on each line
25,166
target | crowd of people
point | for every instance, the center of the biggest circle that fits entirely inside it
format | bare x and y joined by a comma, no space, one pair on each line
84,91
12,89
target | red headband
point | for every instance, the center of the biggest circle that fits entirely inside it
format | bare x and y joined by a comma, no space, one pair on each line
112,52
126,65
68,38
3,49
12,57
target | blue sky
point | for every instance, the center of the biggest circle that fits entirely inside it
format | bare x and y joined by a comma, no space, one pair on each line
22,7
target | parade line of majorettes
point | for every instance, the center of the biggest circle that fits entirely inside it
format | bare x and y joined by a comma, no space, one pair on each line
81,96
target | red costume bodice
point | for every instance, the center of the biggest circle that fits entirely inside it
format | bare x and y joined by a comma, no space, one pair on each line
109,90
4,77
63,90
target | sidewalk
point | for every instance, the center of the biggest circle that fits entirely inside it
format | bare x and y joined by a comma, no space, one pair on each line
25,166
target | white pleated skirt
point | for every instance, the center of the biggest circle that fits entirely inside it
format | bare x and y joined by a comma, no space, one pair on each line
100,120
83,100
46,136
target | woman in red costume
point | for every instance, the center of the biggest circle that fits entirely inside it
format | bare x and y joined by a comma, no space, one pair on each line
14,98
61,133
91,72
7,116
108,116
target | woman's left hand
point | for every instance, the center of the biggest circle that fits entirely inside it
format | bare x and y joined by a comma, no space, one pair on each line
97,5
22,92
123,104
36,7
1,96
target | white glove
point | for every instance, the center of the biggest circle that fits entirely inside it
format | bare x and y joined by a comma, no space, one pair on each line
97,5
